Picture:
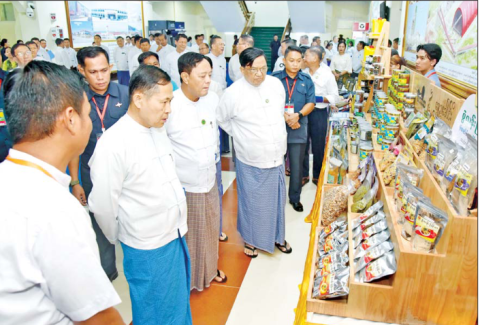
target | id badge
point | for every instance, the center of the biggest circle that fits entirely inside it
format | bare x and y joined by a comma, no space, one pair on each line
289,108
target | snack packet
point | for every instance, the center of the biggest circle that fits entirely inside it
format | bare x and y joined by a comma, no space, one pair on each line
365,187
373,254
332,285
326,231
379,268
463,191
387,159
367,214
333,258
369,232
371,242
408,191
371,221
447,150
367,201
430,222
415,124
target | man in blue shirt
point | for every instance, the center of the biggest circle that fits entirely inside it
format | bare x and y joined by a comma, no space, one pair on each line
109,102
428,56
300,101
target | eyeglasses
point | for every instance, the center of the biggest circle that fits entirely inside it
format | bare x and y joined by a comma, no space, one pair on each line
257,70
24,54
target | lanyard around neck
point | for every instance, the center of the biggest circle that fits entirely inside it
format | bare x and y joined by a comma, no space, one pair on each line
290,93
29,164
431,74
102,115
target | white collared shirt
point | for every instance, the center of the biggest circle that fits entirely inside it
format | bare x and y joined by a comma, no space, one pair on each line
50,266
325,85
219,71
133,64
120,57
131,53
234,68
137,197
195,47
253,116
72,57
61,57
279,65
341,63
357,60
171,65
193,131
328,54
164,52
44,54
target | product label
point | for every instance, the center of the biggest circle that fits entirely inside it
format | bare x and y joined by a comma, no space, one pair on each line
426,228
328,246
327,260
325,285
373,270
462,184
439,164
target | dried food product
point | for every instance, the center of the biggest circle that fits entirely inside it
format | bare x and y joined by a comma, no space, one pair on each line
413,174
389,174
409,120
418,145
337,224
335,203
424,129
447,151
334,170
415,125
367,215
332,285
371,242
379,268
430,222
373,254
380,216
451,172
369,232
333,258
367,200
463,191
409,217
387,159
365,187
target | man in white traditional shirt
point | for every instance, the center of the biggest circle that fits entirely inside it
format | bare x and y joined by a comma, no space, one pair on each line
165,50
244,42
34,49
144,47
279,65
135,49
61,57
137,199
41,51
170,64
128,41
120,57
204,49
51,272
304,41
219,73
157,46
335,45
326,95
357,59
43,45
252,112
71,54
97,39
192,130
198,41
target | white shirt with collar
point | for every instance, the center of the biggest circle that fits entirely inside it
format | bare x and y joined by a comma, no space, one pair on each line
341,63
193,131
120,57
357,60
253,116
234,68
334,48
137,197
51,271
61,57
72,57
219,72
325,85
279,65
133,63
132,52
195,47
44,54
106,48
164,52
328,54
171,65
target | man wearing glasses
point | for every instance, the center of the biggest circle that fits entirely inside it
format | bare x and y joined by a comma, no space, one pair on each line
21,55
252,112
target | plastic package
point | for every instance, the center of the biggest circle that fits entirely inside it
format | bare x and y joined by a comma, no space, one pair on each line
380,216
365,187
335,203
429,225
447,151
463,191
334,170
332,285
333,258
379,268
373,254
371,242
369,232
387,159
367,201
367,215
415,125
389,175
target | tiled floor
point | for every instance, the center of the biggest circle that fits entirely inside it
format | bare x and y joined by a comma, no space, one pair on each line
259,291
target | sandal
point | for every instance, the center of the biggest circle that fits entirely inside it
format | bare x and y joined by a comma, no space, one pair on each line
253,250
287,172
283,248
305,180
223,238
315,181
223,280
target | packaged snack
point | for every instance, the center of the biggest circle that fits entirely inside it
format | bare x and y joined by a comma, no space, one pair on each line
415,125
429,225
409,120
367,201
334,170
343,171
380,216
369,232
367,214
336,242
379,268
463,191
373,254
333,258
387,159
332,285
335,203
371,242
424,129
389,174
337,224
409,217
365,187
447,151
408,190
413,174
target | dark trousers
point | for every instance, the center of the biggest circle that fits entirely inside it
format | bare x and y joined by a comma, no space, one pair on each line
123,77
224,141
317,133
106,249
296,153
274,60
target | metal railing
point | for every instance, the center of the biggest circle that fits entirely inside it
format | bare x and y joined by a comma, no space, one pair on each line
244,8
287,30
249,24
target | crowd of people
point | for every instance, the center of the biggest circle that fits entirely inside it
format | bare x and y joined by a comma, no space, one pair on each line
147,174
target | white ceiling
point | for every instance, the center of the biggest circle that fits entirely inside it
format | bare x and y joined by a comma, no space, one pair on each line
307,16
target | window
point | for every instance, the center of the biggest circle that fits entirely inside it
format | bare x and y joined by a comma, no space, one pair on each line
6,12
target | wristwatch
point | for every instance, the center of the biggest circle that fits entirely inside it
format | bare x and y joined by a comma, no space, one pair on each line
300,115
73,183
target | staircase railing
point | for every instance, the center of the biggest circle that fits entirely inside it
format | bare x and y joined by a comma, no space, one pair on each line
287,30
244,8
249,24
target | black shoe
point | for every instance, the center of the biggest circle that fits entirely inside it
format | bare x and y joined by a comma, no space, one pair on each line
226,151
297,206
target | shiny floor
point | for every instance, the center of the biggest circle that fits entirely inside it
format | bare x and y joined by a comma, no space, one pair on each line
258,291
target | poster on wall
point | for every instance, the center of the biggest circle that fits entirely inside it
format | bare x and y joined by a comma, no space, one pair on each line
453,26
108,19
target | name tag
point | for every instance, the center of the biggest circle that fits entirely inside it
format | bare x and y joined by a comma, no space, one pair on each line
289,108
